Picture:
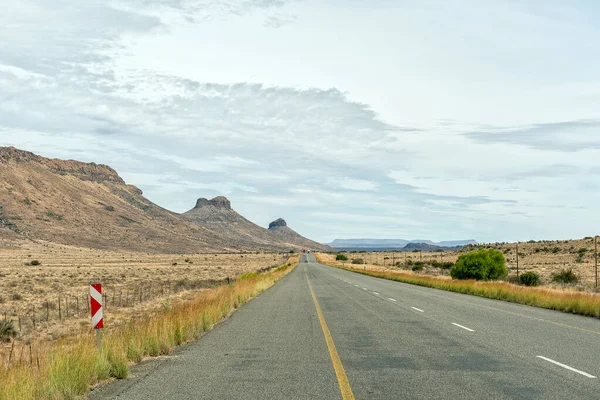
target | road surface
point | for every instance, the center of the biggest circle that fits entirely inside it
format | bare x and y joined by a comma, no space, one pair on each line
325,333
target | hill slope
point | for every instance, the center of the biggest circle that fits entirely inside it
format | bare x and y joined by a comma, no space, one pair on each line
218,216
89,205
287,235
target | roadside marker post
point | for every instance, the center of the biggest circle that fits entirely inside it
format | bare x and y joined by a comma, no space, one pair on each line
596,259
96,311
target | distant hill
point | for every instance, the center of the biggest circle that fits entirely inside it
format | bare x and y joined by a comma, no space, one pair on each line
280,229
218,216
394,244
89,205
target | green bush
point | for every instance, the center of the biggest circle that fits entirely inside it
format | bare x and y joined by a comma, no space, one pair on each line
480,265
35,262
341,257
442,265
418,266
529,279
358,261
565,276
7,330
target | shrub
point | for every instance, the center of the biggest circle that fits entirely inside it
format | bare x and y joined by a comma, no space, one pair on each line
17,297
35,262
358,261
417,267
442,265
480,265
109,208
341,257
529,279
565,276
7,330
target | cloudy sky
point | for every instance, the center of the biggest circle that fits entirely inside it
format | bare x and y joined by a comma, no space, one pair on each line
384,118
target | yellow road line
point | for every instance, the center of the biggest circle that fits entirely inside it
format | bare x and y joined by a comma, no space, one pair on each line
343,382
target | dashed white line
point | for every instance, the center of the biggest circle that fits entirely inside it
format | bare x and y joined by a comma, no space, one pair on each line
418,309
376,293
356,285
567,367
464,327
389,298
364,288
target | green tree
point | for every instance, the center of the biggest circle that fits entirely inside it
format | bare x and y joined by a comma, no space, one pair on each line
480,265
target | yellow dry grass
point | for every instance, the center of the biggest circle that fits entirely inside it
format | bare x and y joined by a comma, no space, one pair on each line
66,369
33,292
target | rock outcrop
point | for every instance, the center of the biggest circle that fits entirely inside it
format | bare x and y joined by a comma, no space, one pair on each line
277,222
218,202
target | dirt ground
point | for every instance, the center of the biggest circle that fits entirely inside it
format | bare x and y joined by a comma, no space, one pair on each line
50,300
543,257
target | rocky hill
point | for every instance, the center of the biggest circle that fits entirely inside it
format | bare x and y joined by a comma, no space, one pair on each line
89,205
218,216
288,236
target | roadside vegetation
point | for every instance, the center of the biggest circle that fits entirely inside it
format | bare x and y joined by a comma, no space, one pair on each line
69,368
581,303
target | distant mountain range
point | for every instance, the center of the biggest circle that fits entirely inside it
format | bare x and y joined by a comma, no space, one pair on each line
397,244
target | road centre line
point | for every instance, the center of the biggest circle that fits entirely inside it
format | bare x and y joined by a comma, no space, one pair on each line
338,367
376,293
567,367
418,309
389,298
464,327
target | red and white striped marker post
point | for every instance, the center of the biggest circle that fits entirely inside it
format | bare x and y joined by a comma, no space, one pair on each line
96,308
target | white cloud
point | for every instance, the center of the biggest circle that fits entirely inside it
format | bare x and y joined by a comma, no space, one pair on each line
457,120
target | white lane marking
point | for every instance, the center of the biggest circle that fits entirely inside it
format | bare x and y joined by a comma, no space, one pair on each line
567,367
464,327
376,293
364,288
356,285
389,298
418,309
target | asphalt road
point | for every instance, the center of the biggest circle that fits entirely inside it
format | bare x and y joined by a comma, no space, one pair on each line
367,338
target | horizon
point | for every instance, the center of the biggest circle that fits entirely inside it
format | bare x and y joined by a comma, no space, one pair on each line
379,120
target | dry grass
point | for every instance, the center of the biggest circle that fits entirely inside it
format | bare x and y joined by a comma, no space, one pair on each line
28,292
570,301
66,370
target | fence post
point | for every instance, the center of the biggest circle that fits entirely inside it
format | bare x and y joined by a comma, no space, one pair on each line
517,259
596,259
59,310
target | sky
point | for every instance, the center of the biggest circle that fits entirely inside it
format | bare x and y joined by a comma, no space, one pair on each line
440,120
